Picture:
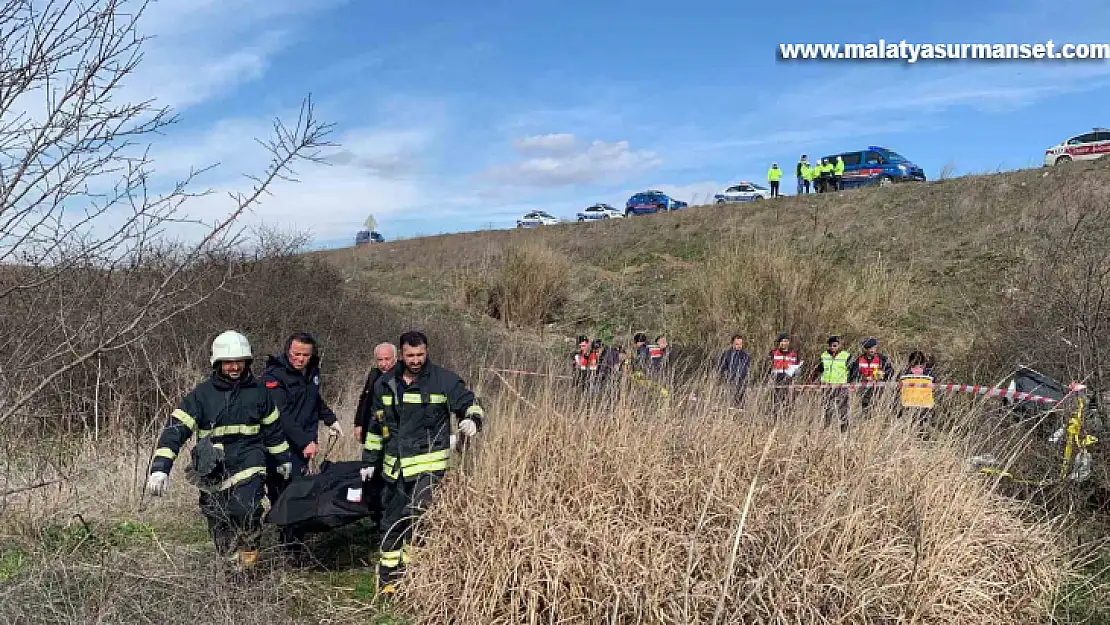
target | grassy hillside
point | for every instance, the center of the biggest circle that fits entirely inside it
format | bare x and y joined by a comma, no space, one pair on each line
628,507
935,265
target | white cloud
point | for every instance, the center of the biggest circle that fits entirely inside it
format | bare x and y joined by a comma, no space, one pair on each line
553,144
200,49
600,161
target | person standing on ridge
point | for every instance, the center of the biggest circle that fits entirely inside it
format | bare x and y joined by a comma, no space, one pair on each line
774,175
838,173
411,436
801,171
237,428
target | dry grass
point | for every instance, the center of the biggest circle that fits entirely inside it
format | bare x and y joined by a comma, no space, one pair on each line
526,287
754,288
698,514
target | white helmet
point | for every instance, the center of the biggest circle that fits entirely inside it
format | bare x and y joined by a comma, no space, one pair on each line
231,346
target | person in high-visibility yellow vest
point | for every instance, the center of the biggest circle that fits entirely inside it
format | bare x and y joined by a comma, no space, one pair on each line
838,173
809,175
832,369
774,175
800,174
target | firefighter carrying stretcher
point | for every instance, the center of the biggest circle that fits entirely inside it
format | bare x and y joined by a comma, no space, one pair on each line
236,424
409,438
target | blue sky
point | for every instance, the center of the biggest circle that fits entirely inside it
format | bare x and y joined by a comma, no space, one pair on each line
456,116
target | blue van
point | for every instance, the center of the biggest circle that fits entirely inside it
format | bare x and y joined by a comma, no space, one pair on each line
876,166
368,236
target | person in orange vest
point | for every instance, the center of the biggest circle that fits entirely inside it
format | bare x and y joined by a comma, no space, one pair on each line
870,366
784,364
585,363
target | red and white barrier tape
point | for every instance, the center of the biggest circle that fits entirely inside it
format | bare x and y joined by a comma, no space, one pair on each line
976,389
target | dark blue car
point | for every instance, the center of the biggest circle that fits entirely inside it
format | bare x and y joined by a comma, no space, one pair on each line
650,202
368,236
876,166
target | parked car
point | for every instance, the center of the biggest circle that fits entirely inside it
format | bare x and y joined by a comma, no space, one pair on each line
650,202
743,192
536,218
599,211
876,165
1085,147
368,236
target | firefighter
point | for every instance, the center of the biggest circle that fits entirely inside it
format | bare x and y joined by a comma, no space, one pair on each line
784,363
410,437
237,427
293,380
832,369
385,357
870,366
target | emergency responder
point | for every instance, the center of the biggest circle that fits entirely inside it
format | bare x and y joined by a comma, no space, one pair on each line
919,368
385,357
658,355
826,175
870,366
237,427
838,173
801,171
774,175
584,363
784,364
293,380
832,368
410,437
733,366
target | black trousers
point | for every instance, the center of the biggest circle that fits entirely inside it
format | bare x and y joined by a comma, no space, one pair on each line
402,504
234,516
774,188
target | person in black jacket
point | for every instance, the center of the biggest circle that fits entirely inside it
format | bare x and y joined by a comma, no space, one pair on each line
410,439
293,379
385,357
237,428
734,364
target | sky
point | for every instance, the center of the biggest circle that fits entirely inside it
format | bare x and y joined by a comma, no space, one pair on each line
455,116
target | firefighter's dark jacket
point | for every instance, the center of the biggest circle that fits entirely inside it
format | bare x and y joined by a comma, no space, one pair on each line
297,396
410,429
365,400
239,416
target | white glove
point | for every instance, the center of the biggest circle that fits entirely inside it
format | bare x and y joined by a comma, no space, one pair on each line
335,429
158,483
285,469
366,473
468,427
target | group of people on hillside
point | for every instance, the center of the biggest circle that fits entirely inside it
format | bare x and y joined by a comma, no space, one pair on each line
834,367
823,176
256,436
595,363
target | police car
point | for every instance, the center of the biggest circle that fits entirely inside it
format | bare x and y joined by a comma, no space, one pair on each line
650,202
743,192
599,211
1084,147
876,166
536,218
